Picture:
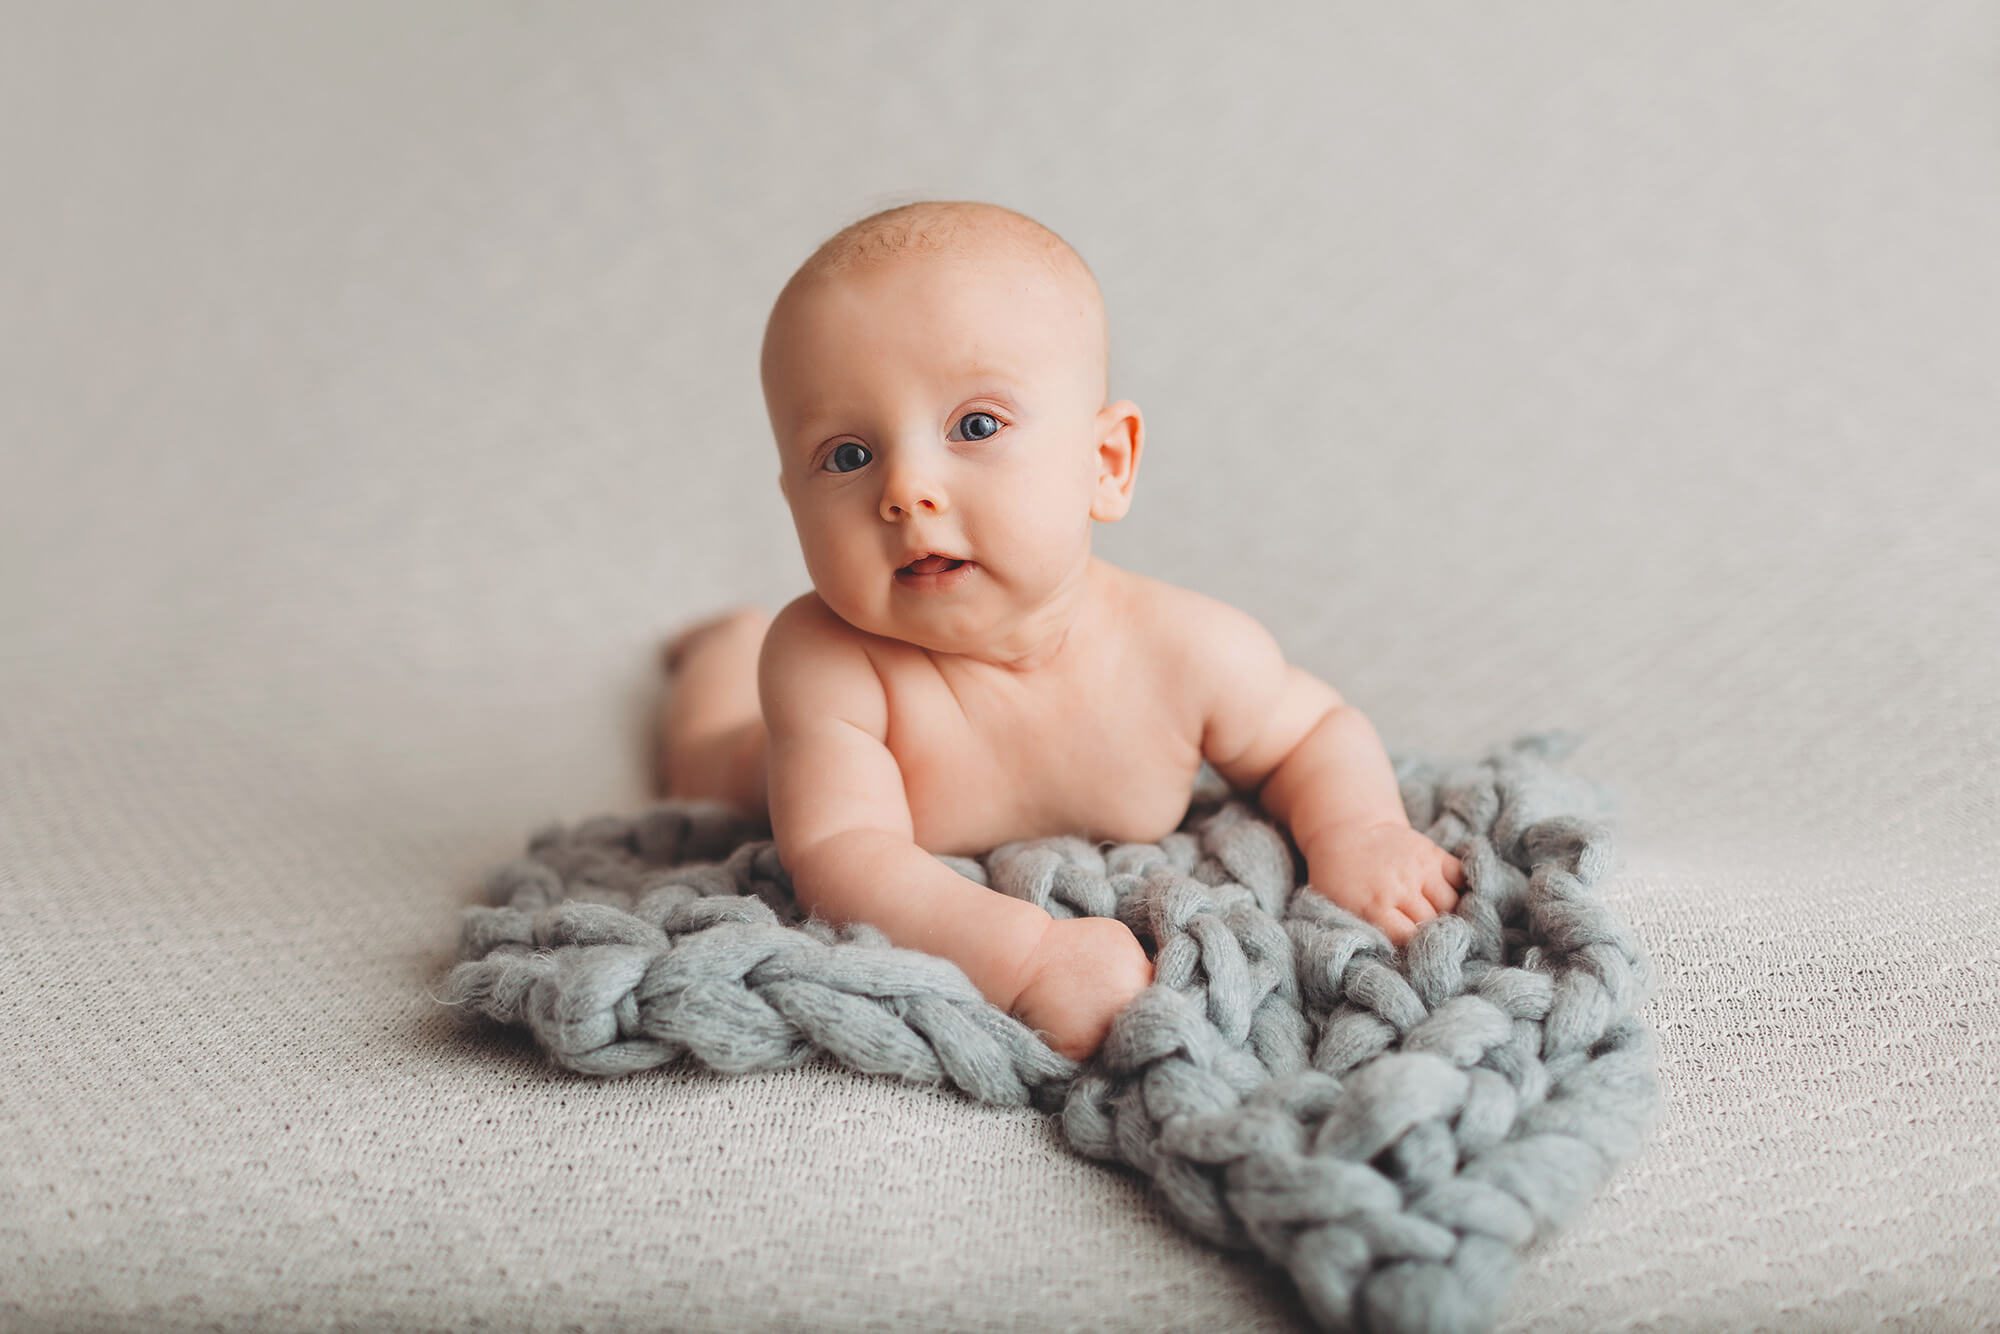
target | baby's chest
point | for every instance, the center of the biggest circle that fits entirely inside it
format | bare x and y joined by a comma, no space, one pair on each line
981,768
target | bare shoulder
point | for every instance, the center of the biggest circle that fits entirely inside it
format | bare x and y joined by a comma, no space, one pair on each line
815,666
1252,704
806,619
1204,636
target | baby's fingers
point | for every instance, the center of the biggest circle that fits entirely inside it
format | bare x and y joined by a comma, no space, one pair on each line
1417,908
1441,886
1440,896
1397,926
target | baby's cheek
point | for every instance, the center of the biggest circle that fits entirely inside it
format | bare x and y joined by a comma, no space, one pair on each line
1047,535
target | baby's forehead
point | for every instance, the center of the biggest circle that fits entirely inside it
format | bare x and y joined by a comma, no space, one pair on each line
962,323
944,367
965,299
1011,319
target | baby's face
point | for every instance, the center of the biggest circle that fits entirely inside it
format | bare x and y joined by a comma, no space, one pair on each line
949,405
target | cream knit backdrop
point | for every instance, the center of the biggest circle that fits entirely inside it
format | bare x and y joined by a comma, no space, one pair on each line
378,384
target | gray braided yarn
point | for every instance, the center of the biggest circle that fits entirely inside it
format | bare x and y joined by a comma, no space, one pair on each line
1392,1129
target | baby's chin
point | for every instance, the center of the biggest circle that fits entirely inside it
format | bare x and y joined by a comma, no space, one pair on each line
935,618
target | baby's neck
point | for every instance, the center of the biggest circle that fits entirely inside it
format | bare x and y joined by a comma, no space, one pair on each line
1055,635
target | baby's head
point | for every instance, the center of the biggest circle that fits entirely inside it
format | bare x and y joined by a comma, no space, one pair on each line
935,376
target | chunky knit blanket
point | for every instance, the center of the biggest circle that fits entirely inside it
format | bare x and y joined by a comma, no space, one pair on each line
1394,1129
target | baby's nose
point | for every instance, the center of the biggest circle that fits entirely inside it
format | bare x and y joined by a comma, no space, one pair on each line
903,498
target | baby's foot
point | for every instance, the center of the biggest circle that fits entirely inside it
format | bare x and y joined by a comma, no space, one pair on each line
1084,972
737,622
709,740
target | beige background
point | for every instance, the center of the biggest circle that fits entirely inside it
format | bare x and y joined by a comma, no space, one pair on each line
380,385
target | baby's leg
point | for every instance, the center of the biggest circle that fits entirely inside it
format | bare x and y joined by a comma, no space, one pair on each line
710,739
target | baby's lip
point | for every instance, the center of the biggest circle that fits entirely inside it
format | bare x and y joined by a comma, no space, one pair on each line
912,557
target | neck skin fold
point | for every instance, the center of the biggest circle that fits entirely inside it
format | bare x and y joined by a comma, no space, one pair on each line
1043,639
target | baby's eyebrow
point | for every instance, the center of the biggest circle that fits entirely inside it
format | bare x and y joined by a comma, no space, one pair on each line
999,389
995,381
989,373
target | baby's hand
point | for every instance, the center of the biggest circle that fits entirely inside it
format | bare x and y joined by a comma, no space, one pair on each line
1084,971
1388,874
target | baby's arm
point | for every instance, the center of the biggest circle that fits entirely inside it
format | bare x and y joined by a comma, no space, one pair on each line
1316,765
841,820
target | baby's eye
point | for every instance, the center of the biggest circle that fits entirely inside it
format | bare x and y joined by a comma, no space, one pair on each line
979,425
842,448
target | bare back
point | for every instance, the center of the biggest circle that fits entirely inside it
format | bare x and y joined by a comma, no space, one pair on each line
1105,746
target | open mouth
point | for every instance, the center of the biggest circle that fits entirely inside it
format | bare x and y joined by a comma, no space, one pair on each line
931,565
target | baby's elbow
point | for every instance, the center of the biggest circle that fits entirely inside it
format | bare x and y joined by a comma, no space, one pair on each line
835,874
808,856
853,877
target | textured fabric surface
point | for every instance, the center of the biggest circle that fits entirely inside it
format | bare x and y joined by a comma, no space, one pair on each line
1389,1126
380,386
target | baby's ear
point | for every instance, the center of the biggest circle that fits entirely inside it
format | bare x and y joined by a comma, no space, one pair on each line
1121,434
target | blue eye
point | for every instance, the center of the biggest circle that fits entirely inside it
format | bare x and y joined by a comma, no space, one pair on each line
843,446
992,425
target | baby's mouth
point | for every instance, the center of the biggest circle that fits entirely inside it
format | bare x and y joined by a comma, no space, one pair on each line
930,565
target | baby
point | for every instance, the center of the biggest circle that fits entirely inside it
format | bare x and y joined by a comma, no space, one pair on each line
964,671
